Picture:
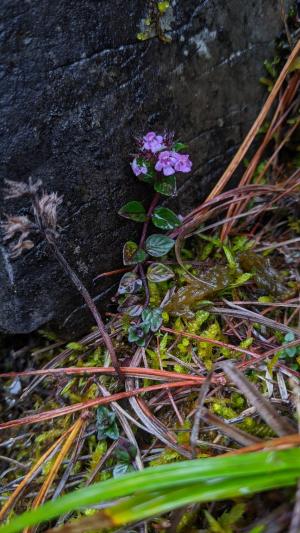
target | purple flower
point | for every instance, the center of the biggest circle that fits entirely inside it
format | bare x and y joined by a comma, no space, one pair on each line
166,162
138,168
153,142
183,162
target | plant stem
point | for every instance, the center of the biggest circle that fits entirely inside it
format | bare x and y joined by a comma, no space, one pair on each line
50,238
88,300
153,204
149,213
145,285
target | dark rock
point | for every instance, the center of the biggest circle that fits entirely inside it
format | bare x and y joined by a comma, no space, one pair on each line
76,86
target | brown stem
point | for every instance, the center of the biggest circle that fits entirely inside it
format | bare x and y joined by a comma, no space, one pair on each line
149,213
139,267
50,238
88,300
145,285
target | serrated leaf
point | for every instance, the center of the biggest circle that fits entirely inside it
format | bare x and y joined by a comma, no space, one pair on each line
134,211
165,218
129,284
132,254
157,272
166,185
158,245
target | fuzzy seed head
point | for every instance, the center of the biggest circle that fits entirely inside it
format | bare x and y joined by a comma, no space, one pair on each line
48,205
19,189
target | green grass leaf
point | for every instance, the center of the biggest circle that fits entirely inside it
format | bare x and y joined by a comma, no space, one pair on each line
172,486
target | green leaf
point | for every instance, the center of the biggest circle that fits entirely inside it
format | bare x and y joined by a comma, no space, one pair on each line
166,185
163,6
106,424
289,337
158,245
172,486
152,317
149,177
290,352
243,278
120,469
134,211
165,218
126,451
129,283
132,254
229,256
76,346
178,147
138,332
158,272
214,526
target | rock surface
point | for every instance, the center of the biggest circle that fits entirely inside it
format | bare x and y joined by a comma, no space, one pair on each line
76,86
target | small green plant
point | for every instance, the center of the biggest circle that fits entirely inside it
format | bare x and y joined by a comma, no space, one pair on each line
157,160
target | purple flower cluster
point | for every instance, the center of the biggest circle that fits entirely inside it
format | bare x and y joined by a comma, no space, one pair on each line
170,162
158,150
153,142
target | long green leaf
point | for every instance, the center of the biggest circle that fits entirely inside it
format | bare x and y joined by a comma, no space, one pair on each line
199,480
146,505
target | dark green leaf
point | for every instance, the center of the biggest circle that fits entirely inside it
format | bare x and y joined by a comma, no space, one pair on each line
158,245
178,147
132,254
134,211
158,272
149,177
137,333
129,284
126,451
106,424
165,218
166,185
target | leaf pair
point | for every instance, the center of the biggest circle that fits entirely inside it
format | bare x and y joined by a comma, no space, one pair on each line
162,217
151,321
156,245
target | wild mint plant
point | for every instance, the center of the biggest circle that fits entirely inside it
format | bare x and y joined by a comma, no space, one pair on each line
157,160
